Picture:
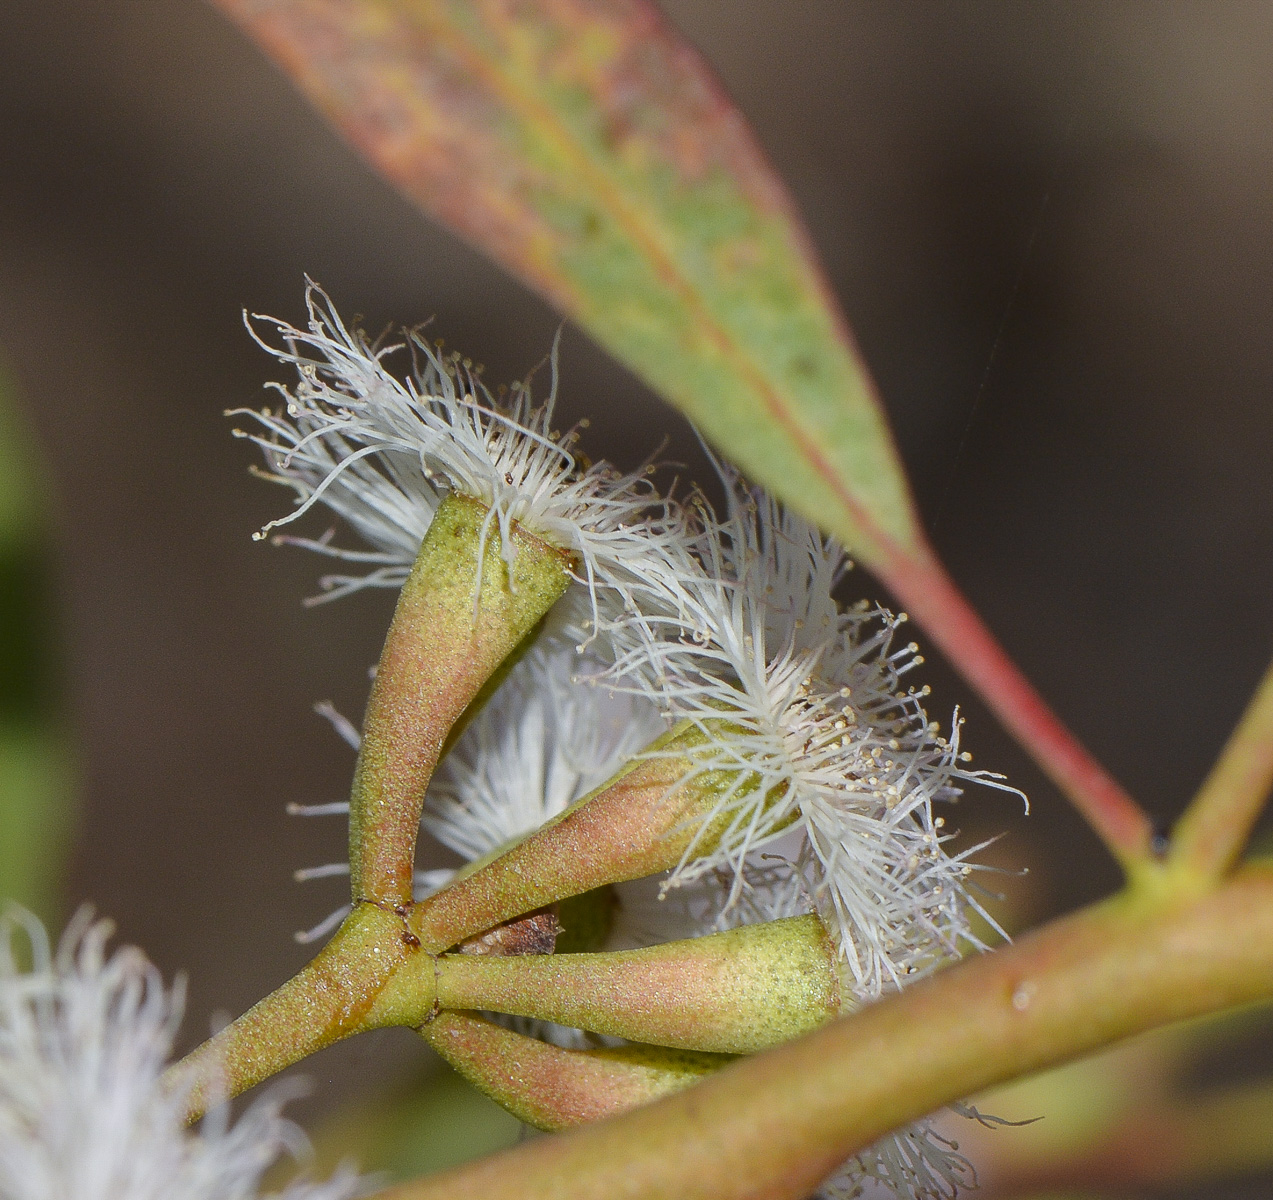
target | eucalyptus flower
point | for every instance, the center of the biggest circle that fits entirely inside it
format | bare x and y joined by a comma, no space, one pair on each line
818,765
84,1037
550,734
381,450
804,706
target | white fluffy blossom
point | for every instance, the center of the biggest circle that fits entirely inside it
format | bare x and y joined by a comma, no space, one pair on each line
832,766
914,1162
802,705
381,450
84,1038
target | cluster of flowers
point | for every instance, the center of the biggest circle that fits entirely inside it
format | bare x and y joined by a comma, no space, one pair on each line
728,623
725,626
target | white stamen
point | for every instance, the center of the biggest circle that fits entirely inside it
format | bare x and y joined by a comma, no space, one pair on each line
381,451
741,636
342,725
84,1038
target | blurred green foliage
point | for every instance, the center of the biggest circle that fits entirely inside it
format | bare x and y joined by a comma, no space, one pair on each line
433,1121
35,778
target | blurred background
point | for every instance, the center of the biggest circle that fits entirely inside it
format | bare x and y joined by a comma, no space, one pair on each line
1051,226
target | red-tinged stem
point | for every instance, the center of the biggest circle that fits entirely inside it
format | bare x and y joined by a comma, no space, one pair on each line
931,597
1217,824
553,1088
773,1126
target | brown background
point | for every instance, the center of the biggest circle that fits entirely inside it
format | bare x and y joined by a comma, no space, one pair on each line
1050,224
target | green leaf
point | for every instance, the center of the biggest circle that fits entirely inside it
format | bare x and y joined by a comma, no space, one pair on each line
588,149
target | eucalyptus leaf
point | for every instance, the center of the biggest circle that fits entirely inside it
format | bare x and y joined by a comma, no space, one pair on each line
590,151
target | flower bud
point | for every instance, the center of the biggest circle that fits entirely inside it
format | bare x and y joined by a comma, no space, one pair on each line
463,609
553,1088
